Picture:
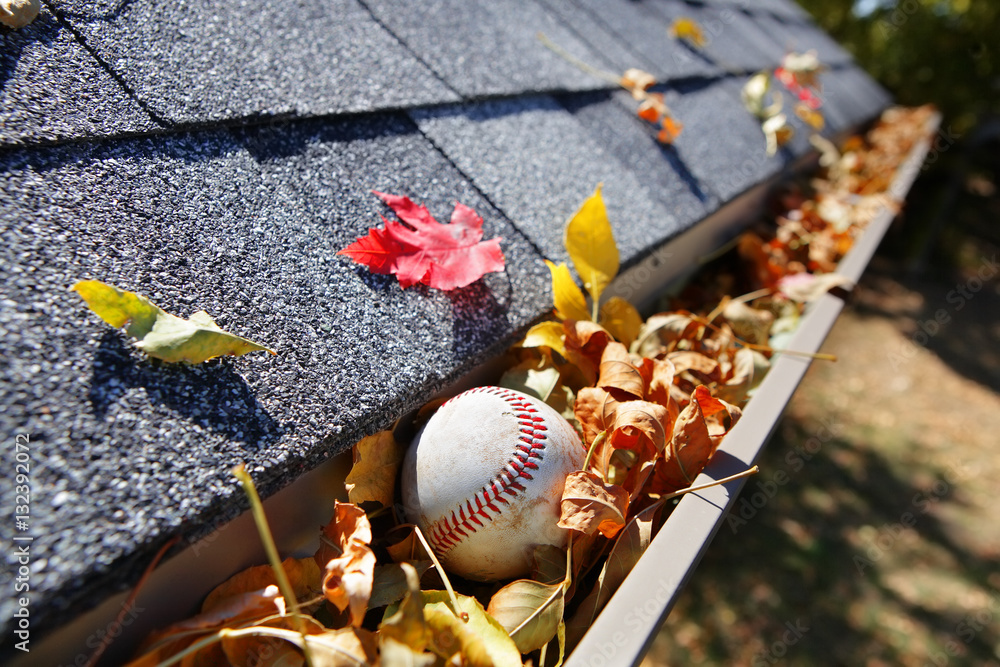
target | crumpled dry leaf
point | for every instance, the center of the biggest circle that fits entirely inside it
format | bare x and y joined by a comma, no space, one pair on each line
231,611
268,651
162,335
691,444
595,412
637,81
585,342
806,287
373,477
303,574
390,581
629,546
642,427
529,611
750,324
590,505
548,564
661,333
18,13
689,30
349,576
617,374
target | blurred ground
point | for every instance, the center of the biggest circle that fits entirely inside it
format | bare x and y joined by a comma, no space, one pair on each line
884,546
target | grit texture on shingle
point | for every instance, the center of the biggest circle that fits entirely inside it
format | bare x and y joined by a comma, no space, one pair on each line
490,47
645,30
612,121
246,227
734,159
199,63
52,89
538,164
733,43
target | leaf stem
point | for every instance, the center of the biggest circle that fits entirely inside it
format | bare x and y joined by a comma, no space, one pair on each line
257,508
766,348
593,446
444,575
746,473
130,600
573,60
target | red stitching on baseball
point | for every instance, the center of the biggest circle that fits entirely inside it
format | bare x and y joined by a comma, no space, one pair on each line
444,533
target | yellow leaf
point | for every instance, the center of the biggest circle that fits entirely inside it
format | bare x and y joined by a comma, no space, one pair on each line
376,461
162,335
569,300
621,318
529,611
688,29
591,245
546,334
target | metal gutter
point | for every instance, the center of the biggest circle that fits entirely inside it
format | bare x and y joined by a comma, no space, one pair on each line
624,630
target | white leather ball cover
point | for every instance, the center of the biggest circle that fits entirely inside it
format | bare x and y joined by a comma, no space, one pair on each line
484,478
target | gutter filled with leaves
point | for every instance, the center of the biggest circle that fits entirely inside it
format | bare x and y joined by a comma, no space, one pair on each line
658,403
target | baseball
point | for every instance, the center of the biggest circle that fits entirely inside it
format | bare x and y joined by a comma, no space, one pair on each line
484,479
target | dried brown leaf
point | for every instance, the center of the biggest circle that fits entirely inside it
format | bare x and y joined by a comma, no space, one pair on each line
590,505
617,374
373,476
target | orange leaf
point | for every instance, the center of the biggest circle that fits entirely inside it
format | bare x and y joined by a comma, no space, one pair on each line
636,81
595,410
670,130
589,505
618,375
691,445
642,427
348,579
303,574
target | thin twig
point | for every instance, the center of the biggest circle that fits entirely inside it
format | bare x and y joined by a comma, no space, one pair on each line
130,601
444,577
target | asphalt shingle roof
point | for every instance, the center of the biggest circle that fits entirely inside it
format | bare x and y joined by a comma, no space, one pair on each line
217,156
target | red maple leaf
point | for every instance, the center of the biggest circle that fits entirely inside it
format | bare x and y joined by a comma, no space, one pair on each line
422,250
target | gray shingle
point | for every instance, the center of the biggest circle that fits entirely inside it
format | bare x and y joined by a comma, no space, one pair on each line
722,143
851,97
595,34
198,63
489,47
734,42
612,122
247,227
52,89
538,164
646,32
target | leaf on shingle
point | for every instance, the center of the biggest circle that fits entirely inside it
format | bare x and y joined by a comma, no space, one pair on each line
419,249
591,245
568,299
162,335
689,30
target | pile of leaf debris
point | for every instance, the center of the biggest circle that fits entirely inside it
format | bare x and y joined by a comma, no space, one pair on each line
652,399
